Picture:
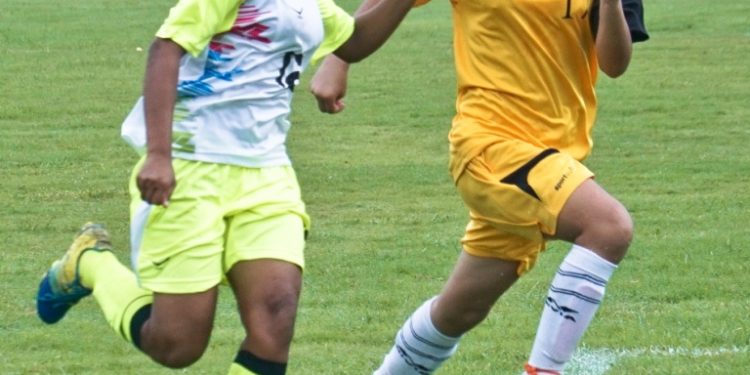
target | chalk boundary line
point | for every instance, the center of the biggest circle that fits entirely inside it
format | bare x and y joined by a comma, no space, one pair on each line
597,361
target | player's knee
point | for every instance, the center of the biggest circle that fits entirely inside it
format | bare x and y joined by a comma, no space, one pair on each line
175,349
270,325
282,304
620,230
178,355
278,312
614,235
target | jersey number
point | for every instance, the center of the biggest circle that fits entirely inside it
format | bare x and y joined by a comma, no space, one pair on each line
567,9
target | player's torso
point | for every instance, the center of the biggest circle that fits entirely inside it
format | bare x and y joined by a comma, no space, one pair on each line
526,69
520,35
234,99
270,40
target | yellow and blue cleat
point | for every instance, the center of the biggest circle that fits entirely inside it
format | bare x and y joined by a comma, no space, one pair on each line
61,286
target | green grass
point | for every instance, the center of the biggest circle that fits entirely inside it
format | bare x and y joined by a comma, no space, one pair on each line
671,143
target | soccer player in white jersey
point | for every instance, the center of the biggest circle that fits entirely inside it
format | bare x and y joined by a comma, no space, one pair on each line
214,196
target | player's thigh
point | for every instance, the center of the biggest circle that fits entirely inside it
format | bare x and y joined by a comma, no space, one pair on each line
520,185
264,254
178,249
515,192
267,219
264,263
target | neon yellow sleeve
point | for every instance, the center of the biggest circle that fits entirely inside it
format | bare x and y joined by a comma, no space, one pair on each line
192,23
338,26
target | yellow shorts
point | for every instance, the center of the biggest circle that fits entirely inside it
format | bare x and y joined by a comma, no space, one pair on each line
515,191
218,215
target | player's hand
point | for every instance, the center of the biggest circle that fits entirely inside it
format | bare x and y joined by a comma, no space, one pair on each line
156,180
328,85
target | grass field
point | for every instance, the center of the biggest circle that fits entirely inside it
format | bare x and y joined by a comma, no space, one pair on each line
671,143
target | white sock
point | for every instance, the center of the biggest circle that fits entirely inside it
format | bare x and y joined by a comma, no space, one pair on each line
420,348
572,300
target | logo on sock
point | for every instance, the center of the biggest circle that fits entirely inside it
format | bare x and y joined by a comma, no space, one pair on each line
422,370
565,312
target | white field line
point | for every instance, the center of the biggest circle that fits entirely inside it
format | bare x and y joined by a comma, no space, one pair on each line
588,361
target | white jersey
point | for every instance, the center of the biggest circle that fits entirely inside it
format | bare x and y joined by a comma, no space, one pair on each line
234,92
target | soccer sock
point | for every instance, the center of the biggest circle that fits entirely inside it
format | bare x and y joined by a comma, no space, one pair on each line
572,301
420,348
247,363
126,306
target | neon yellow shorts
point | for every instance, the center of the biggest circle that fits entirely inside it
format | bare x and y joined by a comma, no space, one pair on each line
218,215
515,191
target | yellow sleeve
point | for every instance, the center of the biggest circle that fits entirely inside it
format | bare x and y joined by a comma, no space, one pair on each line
338,26
192,23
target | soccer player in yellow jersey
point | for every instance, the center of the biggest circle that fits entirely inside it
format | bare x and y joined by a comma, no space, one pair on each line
525,109
214,196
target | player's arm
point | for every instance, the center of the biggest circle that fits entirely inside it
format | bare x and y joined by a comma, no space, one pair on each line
156,179
330,80
188,29
374,22
328,85
613,41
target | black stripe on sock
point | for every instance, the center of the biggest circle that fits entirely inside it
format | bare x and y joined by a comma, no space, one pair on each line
259,366
139,318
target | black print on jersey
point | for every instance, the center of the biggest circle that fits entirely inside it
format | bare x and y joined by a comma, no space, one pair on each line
290,71
568,10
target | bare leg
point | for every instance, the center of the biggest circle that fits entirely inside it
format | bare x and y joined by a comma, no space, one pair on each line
430,335
601,230
473,288
267,292
178,330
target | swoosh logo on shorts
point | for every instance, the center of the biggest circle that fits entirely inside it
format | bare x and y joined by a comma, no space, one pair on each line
160,263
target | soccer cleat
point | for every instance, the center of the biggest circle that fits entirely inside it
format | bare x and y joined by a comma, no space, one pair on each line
61,286
531,370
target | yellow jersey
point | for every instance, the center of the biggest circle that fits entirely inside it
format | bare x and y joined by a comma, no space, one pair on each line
526,70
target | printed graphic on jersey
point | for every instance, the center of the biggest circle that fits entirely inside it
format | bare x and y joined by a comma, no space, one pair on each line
246,24
201,86
183,142
290,71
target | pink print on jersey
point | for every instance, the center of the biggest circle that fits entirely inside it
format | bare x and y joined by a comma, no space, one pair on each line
246,24
220,47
